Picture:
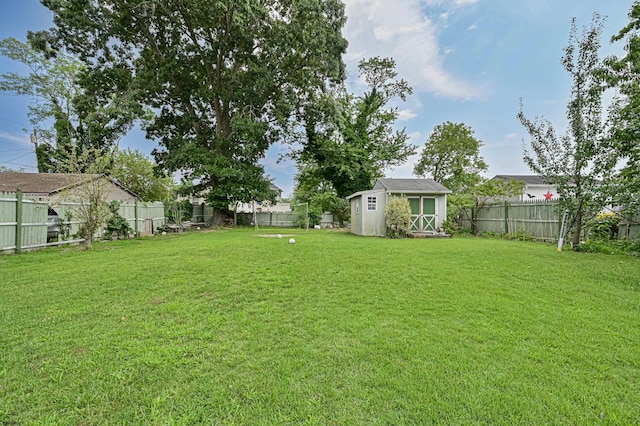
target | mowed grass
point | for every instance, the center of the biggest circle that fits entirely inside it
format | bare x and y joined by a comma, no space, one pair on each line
229,327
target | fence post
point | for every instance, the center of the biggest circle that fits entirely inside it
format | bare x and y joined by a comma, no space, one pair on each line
474,228
18,220
135,210
506,217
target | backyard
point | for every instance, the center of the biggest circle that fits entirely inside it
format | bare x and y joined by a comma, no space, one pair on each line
233,327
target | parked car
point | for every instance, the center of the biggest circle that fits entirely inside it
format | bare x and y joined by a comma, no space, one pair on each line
53,225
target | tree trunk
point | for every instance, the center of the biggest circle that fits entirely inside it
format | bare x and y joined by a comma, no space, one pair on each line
578,229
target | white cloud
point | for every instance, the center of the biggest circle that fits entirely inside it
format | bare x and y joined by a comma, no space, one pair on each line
450,2
22,138
472,27
448,51
400,30
414,138
406,115
510,136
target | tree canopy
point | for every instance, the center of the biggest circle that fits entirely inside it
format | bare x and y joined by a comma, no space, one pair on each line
66,117
451,156
577,161
622,73
350,139
138,173
225,79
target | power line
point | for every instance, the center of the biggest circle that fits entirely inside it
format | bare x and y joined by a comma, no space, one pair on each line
16,122
18,157
21,165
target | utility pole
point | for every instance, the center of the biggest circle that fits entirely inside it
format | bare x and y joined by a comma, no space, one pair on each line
34,141
34,138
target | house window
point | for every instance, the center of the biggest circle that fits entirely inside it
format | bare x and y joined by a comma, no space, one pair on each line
371,203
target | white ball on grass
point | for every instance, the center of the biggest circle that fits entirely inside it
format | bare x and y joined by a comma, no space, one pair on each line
292,241
164,232
279,236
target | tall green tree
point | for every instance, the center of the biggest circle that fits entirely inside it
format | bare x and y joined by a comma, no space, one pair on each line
451,156
350,139
320,196
576,162
224,77
139,174
622,74
68,119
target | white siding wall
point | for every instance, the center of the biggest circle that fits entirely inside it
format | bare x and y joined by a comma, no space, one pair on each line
538,192
373,220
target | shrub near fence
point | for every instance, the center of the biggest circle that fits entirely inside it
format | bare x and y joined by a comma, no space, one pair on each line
143,218
538,219
31,218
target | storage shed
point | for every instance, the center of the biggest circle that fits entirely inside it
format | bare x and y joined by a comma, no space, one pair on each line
428,200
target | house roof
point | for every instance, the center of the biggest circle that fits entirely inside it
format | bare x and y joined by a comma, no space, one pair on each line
408,186
527,179
45,184
273,187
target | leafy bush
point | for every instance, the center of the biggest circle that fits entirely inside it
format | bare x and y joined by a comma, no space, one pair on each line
116,225
628,247
398,216
178,211
604,226
315,215
64,226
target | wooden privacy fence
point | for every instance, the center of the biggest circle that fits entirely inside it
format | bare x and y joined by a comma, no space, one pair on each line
282,220
143,218
23,222
539,219
629,227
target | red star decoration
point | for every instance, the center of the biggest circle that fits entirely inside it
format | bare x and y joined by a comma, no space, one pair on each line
548,195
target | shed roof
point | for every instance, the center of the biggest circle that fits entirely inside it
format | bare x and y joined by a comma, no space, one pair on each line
426,186
44,184
406,186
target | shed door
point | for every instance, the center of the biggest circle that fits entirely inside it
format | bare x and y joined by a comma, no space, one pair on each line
414,202
428,214
423,214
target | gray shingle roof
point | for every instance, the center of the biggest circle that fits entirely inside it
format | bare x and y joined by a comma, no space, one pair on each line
527,179
427,186
44,184
41,183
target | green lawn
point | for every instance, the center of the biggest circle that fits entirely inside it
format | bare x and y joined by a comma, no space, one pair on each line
232,328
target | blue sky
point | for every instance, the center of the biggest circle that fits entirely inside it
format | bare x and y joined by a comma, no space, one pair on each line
469,61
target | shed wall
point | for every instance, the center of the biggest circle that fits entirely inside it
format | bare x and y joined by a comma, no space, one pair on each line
356,215
373,221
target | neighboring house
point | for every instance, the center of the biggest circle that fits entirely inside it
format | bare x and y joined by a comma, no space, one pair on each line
428,200
535,189
52,187
265,206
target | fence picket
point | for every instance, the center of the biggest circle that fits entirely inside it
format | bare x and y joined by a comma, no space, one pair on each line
30,229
